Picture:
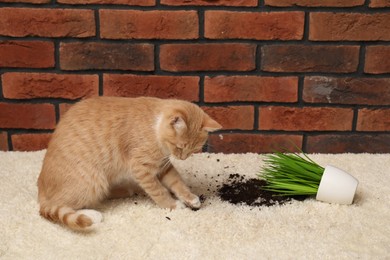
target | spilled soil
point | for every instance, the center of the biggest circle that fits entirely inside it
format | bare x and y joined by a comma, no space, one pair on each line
238,190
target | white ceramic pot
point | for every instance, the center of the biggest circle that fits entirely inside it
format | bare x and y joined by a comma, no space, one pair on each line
337,186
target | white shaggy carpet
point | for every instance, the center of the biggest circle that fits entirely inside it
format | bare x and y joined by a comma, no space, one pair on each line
135,228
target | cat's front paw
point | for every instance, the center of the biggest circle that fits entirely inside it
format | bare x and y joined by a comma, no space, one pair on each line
179,205
193,203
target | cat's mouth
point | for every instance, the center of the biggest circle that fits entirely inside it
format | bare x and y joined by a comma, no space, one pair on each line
182,156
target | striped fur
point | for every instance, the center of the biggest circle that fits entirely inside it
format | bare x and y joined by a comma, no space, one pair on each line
105,144
67,216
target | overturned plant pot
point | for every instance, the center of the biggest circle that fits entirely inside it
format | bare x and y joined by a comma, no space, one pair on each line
296,174
337,186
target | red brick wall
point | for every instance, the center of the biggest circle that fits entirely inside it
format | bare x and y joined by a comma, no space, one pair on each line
315,73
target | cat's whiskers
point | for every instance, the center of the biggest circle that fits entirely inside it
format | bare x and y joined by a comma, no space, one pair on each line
166,163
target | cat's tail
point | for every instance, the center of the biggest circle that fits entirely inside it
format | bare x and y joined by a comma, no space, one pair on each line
84,219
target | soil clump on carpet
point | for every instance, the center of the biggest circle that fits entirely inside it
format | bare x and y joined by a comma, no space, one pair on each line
238,190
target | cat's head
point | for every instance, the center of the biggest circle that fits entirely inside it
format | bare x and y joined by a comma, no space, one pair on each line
183,128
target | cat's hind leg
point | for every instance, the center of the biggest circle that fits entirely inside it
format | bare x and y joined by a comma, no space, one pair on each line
69,200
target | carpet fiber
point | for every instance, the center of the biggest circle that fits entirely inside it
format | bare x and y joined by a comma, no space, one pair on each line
135,228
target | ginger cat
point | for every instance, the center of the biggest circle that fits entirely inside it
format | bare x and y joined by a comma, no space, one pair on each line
105,145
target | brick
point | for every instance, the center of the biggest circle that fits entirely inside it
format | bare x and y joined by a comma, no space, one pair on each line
379,3
3,141
254,25
208,57
49,85
318,3
26,54
30,142
250,88
182,87
246,3
364,91
113,2
233,117
130,24
119,56
27,116
305,119
351,143
377,59
44,22
252,143
349,27
373,120
304,58
26,1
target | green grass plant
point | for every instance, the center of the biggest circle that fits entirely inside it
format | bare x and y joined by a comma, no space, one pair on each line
291,174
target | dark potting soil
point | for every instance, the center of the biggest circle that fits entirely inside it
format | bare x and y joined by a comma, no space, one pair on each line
238,190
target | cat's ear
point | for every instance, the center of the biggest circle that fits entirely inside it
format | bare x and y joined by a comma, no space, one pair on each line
209,124
178,123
